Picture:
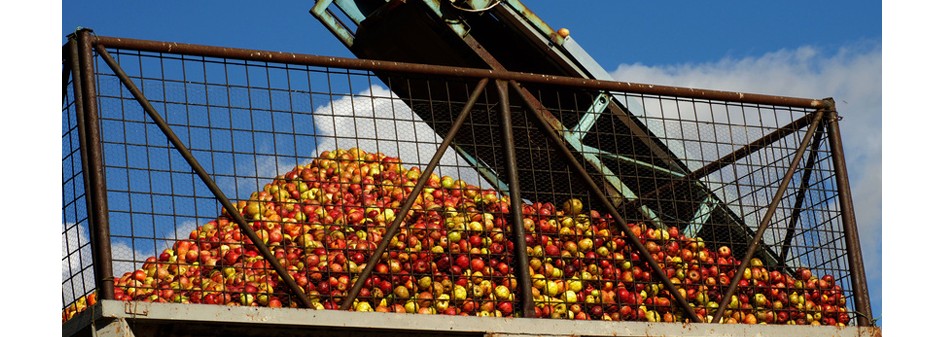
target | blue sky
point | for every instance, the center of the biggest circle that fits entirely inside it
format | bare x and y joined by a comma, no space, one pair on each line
797,48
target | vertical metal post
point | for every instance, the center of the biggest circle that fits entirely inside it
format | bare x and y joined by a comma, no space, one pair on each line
861,297
72,58
96,190
769,213
414,193
515,200
612,210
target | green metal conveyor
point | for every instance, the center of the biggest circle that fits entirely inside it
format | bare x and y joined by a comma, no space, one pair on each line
624,156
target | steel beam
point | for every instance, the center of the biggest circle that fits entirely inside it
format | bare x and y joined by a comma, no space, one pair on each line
96,190
861,297
515,201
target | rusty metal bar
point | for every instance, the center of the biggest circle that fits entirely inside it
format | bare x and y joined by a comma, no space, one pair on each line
414,193
769,213
96,189
801,192
861,297
403,67
515,200
612,210
207,180
736,155
72,59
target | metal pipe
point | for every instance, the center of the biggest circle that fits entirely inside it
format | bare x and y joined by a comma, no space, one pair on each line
207,180
861,297
96,189
801,192
515,200
403,67
414,193
74,68
769,213
612,210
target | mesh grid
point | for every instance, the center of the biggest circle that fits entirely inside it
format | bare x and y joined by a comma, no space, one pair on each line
78,278
267,133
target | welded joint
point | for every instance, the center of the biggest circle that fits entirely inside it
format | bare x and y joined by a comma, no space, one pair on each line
830,110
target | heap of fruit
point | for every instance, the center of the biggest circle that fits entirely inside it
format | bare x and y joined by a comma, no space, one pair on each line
454,255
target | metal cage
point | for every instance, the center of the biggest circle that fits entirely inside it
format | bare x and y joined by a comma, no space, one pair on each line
167,145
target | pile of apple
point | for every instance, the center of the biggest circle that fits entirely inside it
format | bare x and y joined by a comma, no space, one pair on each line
454,255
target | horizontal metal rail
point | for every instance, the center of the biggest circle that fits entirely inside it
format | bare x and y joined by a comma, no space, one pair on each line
426,69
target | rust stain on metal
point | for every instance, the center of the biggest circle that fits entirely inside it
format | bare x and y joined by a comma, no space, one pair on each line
131,308
258,316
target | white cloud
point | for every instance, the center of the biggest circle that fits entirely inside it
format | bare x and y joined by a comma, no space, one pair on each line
77,274
376,120
852,75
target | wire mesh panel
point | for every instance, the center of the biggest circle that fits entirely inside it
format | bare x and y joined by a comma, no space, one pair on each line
318,160
706,173
77,277
322,164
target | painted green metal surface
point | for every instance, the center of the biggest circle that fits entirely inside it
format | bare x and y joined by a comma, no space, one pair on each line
321,12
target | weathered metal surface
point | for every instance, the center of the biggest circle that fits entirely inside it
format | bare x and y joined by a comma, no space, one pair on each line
214,320
114,328
515,200
861,297
321,12
771,137
93,155
537,22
